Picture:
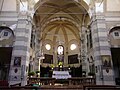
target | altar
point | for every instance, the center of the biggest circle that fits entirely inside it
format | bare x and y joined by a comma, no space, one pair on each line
61,75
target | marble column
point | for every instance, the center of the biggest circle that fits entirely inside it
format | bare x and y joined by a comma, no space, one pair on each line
104,74
21,51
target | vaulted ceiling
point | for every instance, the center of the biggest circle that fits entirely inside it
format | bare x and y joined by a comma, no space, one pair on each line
61,20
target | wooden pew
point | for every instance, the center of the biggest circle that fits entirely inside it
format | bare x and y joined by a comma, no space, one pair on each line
101,87
3,83
19,88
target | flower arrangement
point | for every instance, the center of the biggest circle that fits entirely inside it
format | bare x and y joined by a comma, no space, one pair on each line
60,63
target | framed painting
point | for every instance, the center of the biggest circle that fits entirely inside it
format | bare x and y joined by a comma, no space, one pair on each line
106,60
17,61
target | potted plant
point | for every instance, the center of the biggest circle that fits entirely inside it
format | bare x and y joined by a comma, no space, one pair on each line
37,73
31,74
84,73
91,74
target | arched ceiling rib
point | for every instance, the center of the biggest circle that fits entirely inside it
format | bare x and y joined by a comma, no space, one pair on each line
55,36
67,28
76,34
65,35
47,32
55,9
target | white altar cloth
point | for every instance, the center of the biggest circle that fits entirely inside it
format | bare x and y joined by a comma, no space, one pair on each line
61,75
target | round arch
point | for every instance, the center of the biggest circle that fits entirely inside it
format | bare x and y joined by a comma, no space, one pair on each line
61,21
6,34
5,27
113,29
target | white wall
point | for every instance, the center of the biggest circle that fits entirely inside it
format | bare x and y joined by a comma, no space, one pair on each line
113,5
87,1
9,5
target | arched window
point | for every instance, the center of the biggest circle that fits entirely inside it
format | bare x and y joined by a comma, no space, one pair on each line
73,46
48,46
60,50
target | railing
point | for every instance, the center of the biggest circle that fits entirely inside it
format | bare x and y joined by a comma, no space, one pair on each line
81,81
42,81
69,81
72,87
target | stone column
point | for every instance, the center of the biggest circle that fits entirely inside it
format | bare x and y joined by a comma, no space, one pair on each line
21,50
84,49
38,50
104,75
